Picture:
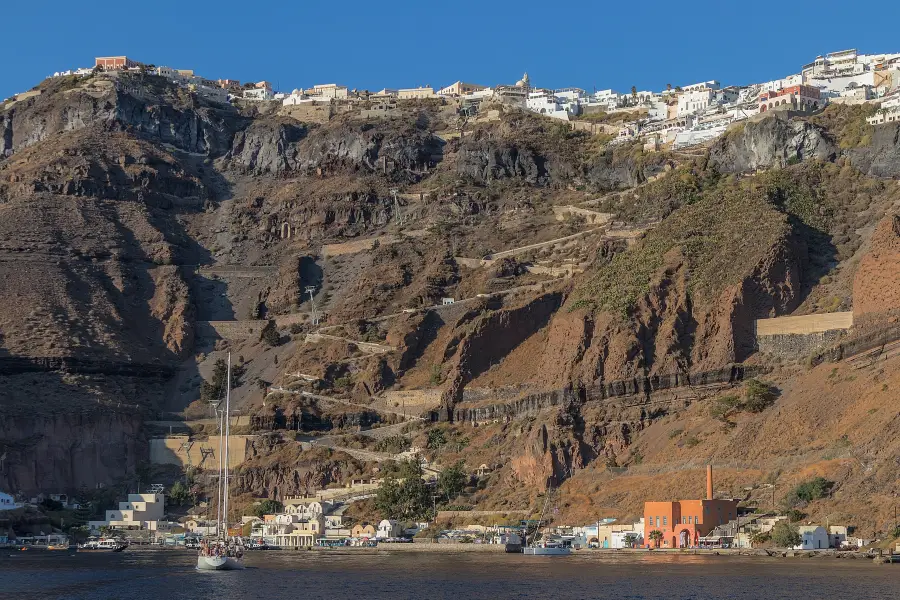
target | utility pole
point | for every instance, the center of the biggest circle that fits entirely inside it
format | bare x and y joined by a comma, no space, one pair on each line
310,289
397,212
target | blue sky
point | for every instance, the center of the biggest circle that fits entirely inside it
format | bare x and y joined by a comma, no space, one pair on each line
404,43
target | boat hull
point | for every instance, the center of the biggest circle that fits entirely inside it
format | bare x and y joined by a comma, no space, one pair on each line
218,563
548,551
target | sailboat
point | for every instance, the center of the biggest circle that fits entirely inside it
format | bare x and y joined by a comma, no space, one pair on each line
222,554
545,547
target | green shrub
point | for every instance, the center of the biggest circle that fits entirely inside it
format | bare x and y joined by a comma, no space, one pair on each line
785,535
270,335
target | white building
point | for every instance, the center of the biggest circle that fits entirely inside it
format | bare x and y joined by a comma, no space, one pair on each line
329,91
779,84
695,101
606,99
306,507
812,537
140,511
544,102
703,85
7,502
388,528
417,93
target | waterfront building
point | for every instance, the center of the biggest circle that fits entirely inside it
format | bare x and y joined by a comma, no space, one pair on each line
7,502
388,528
363,530
683,522
812,537
139,511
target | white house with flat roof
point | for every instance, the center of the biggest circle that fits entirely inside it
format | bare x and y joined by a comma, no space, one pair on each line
812,537
140,511
7,502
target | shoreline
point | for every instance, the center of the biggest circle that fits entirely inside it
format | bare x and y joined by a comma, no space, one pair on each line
433,548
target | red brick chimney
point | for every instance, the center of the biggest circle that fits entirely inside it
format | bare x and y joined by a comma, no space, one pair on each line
709,487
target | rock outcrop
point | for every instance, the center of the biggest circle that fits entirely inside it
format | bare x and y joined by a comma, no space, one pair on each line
772,141
881,158
266,146
69,451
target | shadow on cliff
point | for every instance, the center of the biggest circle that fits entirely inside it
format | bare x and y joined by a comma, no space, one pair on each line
821,256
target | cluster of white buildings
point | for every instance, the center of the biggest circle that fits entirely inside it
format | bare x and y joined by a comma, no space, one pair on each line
139,511
306,521
681,116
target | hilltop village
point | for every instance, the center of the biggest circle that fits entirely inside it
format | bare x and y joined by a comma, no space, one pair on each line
679,116
473,316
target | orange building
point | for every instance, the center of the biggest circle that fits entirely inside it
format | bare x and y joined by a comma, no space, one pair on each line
114,63
684,522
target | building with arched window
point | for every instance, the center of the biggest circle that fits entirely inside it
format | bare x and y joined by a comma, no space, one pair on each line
683,522
796,97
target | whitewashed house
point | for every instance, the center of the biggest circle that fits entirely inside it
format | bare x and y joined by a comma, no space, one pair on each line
812,537
7,502
388,528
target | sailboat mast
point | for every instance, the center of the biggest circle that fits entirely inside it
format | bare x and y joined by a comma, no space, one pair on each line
227,432
219,479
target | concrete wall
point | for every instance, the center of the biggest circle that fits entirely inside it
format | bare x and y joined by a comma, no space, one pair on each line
412,399
798,345
804,324
169,450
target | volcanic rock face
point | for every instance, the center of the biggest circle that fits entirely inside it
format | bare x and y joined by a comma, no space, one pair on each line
486,162
266,146
150,110
876,286
68,451
882,157
769,142
275,469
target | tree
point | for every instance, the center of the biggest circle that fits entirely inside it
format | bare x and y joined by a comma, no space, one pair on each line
758,396
268,507
179,493
814,489
634,95
656,537
214,389
436,439
270,335
668,87
785,535
408,499
451,481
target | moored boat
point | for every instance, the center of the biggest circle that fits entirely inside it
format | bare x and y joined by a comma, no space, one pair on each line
219,563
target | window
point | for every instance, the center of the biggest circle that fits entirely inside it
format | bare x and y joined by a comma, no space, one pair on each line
690,521
657,521
696,520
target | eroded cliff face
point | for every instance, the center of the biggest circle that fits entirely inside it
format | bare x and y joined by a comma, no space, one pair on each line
68,451
280,144
876,285
772,141
148,106
276,468
881,158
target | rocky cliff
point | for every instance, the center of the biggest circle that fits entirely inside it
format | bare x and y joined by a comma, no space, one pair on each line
772,141
70,450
